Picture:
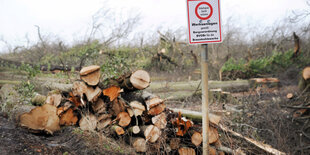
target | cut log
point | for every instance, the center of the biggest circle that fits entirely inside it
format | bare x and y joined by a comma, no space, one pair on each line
212,151
153,102
134,130
130,112
182,125
147,95
196,138
104,123
75,100
306,73
42,118
93,94
63,108
160,121
51,85
304,82
186,151
124,119
54,98
38,100
99,106
218,146
90,75
151,133
118,130
175,143
213,135
88,122
139,79
138,108
139,144
289,95
117,107
197,116
79,88
104,116
157,109
112,92
260,145
68,118
267,82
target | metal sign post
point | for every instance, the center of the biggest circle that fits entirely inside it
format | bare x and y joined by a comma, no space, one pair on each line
204,27
205,99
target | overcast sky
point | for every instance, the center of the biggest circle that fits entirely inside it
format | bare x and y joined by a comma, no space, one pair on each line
69,19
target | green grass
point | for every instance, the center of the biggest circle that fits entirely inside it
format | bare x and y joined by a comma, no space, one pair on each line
2,82
278,62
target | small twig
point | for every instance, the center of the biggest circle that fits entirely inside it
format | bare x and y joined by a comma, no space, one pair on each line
303,148
294,107
225,149
308,86
300,118
197,87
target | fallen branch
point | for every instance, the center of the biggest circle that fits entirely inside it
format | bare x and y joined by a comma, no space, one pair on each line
197,116
260,145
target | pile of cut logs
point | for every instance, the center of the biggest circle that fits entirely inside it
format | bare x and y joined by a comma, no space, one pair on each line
121,108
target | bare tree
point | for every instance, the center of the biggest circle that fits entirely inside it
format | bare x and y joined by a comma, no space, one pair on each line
301,15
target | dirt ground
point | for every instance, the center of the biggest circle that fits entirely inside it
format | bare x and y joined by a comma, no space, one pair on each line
263,115
70,140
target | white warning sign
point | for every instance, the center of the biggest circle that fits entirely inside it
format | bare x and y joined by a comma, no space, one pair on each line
204,21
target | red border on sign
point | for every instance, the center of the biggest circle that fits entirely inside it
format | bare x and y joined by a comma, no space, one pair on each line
220,26
203,18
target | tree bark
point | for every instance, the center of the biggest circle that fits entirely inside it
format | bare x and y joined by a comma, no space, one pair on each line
197,116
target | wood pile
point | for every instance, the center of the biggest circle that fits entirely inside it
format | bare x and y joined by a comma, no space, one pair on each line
122,108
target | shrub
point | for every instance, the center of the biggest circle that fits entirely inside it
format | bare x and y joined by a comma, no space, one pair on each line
278,62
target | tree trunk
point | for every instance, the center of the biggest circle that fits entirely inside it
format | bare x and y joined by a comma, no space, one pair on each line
296,45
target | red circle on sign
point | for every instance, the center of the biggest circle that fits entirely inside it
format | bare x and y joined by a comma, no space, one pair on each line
203,18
